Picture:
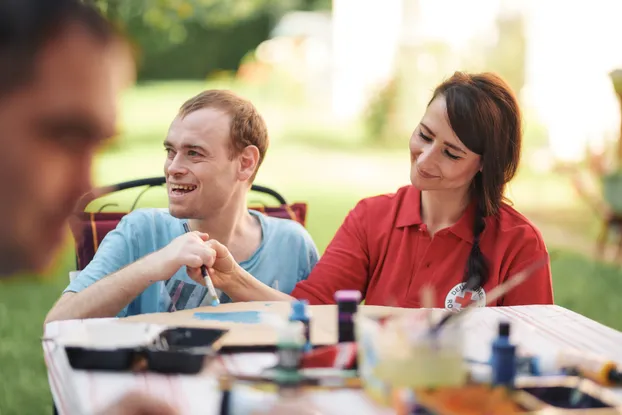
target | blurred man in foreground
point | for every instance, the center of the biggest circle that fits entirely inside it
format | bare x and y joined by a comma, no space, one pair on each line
60,72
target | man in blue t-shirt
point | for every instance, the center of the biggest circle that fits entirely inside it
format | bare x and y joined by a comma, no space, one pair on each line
149,264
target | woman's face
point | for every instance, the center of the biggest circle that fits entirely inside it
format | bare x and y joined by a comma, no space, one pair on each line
439,160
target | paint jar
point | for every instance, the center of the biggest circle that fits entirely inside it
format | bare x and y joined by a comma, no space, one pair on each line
289,353
347,306
503,358
300,312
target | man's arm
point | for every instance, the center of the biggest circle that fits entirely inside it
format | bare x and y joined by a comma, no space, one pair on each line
111,294
108,284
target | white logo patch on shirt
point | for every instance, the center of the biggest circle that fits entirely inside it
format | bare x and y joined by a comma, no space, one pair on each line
458,298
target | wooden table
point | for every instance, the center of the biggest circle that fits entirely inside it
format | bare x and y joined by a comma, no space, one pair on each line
535,329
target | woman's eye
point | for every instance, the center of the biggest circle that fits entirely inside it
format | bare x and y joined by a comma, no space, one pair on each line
425,137
452,156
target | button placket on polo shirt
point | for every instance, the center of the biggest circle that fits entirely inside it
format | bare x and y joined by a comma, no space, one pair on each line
418,277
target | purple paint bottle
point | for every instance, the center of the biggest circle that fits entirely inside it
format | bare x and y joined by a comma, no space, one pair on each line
347,305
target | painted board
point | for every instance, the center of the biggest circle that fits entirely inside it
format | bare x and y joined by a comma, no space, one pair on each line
245,325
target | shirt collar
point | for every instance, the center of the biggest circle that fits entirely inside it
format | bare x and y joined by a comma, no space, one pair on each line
409,214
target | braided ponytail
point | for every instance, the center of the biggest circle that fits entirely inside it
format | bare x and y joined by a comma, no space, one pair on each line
476,273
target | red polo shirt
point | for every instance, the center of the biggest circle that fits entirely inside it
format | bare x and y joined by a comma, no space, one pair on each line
384,250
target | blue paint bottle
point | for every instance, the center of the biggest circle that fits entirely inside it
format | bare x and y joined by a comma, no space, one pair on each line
503,359
300,312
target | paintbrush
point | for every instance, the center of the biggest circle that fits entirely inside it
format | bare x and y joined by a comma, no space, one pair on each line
427,301
206,278
496,293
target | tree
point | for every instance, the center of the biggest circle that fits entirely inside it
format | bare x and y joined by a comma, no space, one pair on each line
173,14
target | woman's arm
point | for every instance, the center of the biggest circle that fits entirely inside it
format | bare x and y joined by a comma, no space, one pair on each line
344,265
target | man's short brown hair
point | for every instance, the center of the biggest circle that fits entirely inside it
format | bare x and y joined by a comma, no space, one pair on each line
247,125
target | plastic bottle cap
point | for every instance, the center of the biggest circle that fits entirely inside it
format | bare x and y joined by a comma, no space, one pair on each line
299,308
348,295
615,376
504,329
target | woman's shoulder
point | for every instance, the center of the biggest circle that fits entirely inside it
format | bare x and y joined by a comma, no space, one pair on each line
385,201
517,227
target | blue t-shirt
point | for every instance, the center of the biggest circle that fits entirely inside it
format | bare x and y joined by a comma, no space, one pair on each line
285,256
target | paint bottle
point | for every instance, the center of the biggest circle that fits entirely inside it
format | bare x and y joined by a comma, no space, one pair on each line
503,358
300,312
289,352
347,306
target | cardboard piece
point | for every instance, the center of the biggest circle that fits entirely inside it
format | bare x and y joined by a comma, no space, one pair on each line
323,321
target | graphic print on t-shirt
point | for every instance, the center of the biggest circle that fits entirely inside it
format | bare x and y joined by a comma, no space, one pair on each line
184,295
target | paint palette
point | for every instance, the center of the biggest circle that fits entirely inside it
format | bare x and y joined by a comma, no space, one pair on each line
174,350
571,395
474,400
562,395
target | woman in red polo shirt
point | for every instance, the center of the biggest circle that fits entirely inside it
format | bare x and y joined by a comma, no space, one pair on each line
450,229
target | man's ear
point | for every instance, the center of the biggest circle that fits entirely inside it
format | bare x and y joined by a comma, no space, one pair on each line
249,160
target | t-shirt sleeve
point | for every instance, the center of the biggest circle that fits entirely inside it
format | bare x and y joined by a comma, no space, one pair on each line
343,266
115,252
309,256
538,288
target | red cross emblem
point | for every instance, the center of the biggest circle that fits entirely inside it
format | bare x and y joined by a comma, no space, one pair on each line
465,299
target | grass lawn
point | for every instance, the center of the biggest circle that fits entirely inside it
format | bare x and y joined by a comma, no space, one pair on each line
300,166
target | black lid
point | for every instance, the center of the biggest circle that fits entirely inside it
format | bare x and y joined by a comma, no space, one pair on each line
615,376
504,328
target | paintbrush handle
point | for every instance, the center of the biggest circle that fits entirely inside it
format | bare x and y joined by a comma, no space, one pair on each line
208,281
511,283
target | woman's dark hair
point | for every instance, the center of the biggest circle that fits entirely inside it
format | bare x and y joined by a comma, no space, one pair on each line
484,114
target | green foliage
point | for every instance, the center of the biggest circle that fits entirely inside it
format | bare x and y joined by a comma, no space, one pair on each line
170,14
190,39
205,49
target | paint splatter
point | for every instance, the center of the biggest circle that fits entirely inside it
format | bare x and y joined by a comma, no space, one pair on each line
249,317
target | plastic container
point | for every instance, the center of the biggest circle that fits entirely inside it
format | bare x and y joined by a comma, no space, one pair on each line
401,354
175,350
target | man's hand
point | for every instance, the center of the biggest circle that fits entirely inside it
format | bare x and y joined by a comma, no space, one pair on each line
138,403
222,270
190,250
